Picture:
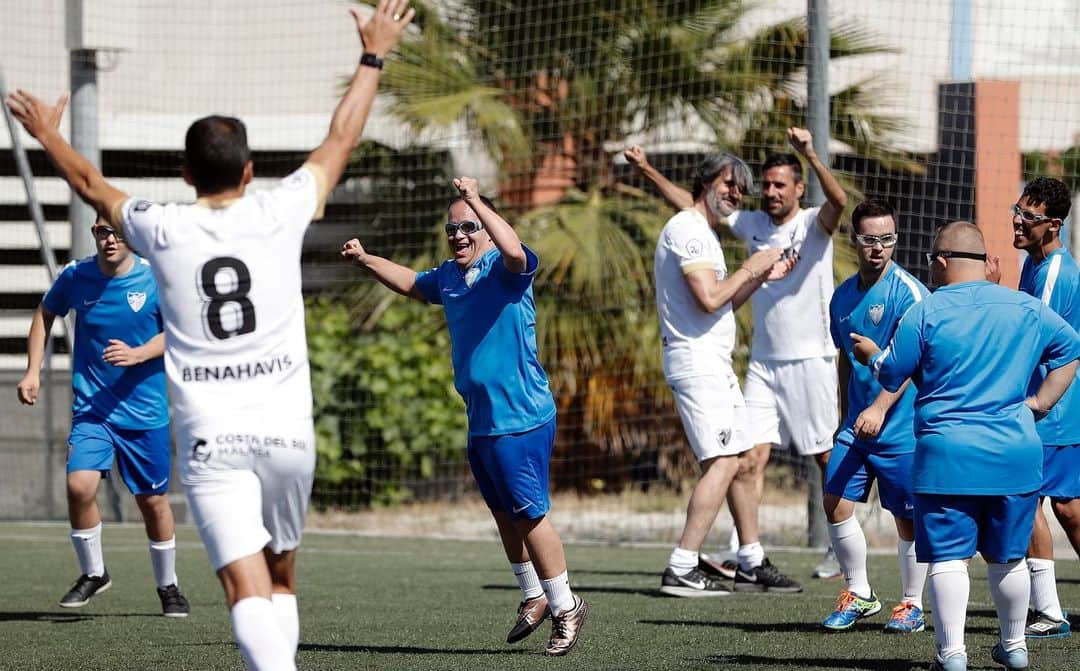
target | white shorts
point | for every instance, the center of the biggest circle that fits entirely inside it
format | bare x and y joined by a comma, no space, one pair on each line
793,402
248,483
713,415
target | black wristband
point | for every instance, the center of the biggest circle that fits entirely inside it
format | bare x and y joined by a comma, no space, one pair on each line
372,61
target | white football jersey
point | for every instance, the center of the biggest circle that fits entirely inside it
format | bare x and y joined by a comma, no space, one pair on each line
695,342
229,288
791,316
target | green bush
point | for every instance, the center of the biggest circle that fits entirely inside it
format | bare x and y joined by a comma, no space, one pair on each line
387,416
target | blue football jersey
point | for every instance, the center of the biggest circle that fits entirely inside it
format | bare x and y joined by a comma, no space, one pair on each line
1056,282
875,312
492,320
106,308
970,349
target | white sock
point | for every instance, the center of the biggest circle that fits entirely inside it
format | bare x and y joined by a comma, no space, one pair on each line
949,588
87,544
682,561
527,579
1044,594
849,544
1010,589
750,556
557,589
912,573
259,637
163,559
288,618
733,542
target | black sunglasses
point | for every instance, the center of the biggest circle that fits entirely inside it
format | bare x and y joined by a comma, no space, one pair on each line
946,254
103,232
467,227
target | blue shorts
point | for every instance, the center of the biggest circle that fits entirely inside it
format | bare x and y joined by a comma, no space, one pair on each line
854,467
951,527
512,471
142,456
1061,472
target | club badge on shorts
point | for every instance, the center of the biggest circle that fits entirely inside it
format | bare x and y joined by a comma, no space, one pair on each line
136,299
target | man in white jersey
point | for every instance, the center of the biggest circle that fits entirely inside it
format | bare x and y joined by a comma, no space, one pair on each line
791,384
696,298
228,271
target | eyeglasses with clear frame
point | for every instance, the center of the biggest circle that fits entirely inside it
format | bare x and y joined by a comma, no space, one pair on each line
467,227
946,254
887,240
1028,217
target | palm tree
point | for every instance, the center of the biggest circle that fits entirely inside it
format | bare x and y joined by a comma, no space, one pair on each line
553,88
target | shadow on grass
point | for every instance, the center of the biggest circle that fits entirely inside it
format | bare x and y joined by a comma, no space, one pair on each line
601,589
647,574
800,627
60,617
408,650
751,661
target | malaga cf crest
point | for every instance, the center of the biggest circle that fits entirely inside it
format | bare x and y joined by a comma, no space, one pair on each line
876,313
136,299
471,275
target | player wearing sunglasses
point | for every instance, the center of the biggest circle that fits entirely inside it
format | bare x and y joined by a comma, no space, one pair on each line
486,291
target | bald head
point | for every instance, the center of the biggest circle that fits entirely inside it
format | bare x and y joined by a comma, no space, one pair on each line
961,236
959,255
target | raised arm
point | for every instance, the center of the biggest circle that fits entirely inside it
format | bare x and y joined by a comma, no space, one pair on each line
43,123
40,328
393,276
835,197
678,197
502,234
378,36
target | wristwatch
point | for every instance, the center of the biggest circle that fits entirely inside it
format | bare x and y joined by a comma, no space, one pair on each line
371,60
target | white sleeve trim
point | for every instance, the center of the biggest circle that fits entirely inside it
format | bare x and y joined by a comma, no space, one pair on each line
1051,279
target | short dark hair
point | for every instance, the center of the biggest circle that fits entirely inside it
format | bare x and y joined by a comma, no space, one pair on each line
1053,192
714,165
215,153
780,159
871,207
483,199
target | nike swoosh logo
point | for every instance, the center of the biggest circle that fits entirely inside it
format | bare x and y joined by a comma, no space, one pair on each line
748,577
691,583
518,510
86,302
757,239
155,485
